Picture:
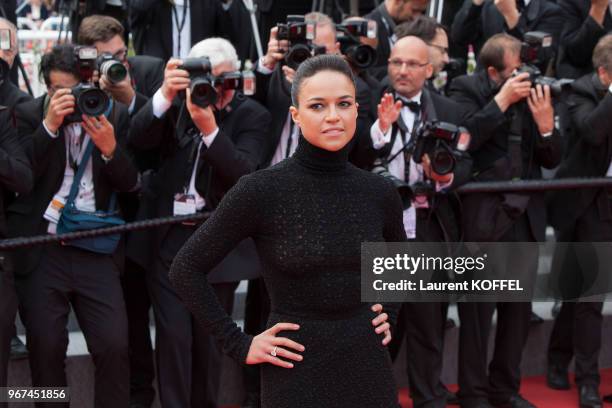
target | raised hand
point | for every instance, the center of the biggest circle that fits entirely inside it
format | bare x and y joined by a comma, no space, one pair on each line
388,112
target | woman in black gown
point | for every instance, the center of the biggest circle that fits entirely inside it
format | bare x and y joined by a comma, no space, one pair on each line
308,216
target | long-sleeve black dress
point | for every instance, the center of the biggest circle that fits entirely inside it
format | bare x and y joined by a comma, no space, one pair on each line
308,216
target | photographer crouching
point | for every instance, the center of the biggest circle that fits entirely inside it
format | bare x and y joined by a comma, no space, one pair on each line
514,136
73,137
410,154
211,135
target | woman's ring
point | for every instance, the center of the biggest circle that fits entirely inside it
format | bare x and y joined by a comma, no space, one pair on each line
273,352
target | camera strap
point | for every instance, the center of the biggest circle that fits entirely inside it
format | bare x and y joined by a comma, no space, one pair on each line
197,141
514,143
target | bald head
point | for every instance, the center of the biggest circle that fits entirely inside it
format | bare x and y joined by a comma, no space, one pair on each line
411,45
9,55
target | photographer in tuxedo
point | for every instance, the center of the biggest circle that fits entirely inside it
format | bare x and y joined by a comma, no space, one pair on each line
143,76
209,140
57,276
512,124
583,215
16,176
403,110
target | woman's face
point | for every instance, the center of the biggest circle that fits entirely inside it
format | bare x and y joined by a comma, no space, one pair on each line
327,112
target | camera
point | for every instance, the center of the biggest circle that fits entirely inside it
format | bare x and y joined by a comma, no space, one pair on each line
90,100
204,84
536,52
362,56
443,142
404,190
300,34
111,67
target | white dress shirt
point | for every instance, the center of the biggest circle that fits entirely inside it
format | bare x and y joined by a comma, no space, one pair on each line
181,36
280,153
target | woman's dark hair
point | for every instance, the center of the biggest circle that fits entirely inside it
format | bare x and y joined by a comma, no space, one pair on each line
313,66
60,58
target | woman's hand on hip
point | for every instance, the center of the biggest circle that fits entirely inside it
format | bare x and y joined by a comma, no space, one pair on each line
381,324
267,348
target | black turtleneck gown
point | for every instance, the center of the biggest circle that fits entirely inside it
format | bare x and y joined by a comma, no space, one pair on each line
308,216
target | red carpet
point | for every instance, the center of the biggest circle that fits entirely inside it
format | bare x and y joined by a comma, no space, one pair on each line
536,391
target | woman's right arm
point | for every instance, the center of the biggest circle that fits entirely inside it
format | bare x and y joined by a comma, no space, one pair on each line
234,220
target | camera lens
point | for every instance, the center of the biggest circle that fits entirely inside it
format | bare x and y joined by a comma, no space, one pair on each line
443,162
114,71
203,93
362,55
297,54
93,102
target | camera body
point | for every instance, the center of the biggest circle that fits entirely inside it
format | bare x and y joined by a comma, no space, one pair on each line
204,84
300,34
443,142
403,188
536,52
111,67
361,56
90,100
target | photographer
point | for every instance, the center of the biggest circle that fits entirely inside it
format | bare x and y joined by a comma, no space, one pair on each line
479,20
514,136
402,113
76,273
583,215
16,177
143,74
133,85
209,140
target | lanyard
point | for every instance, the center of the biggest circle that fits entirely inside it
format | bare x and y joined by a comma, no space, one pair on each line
179,27
192,160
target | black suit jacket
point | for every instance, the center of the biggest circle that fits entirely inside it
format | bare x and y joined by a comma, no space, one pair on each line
48,158
487,216
147,75
579,37
590,105
11,96
476,24
151,24
386,25
235,152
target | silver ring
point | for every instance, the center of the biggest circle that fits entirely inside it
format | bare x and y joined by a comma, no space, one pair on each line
273,352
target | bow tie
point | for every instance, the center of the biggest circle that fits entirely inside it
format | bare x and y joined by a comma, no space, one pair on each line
414,106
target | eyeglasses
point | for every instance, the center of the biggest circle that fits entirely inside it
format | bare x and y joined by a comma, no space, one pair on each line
410,65
443,50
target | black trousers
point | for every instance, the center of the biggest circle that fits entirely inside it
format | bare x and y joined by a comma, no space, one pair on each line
504,376
90,283
138,303
188,359
577,329
8,308
424,325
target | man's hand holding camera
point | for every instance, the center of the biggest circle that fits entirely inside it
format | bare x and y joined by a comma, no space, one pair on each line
514,90
175,79
203,118
276,50
102,134
432,175
121,91
541,108
61,104
388,112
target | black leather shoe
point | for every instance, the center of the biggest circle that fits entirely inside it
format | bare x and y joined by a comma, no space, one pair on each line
557,377
252,400
18,349
515,401
589,397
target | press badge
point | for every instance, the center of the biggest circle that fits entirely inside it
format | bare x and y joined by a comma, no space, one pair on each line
54,210
184,204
